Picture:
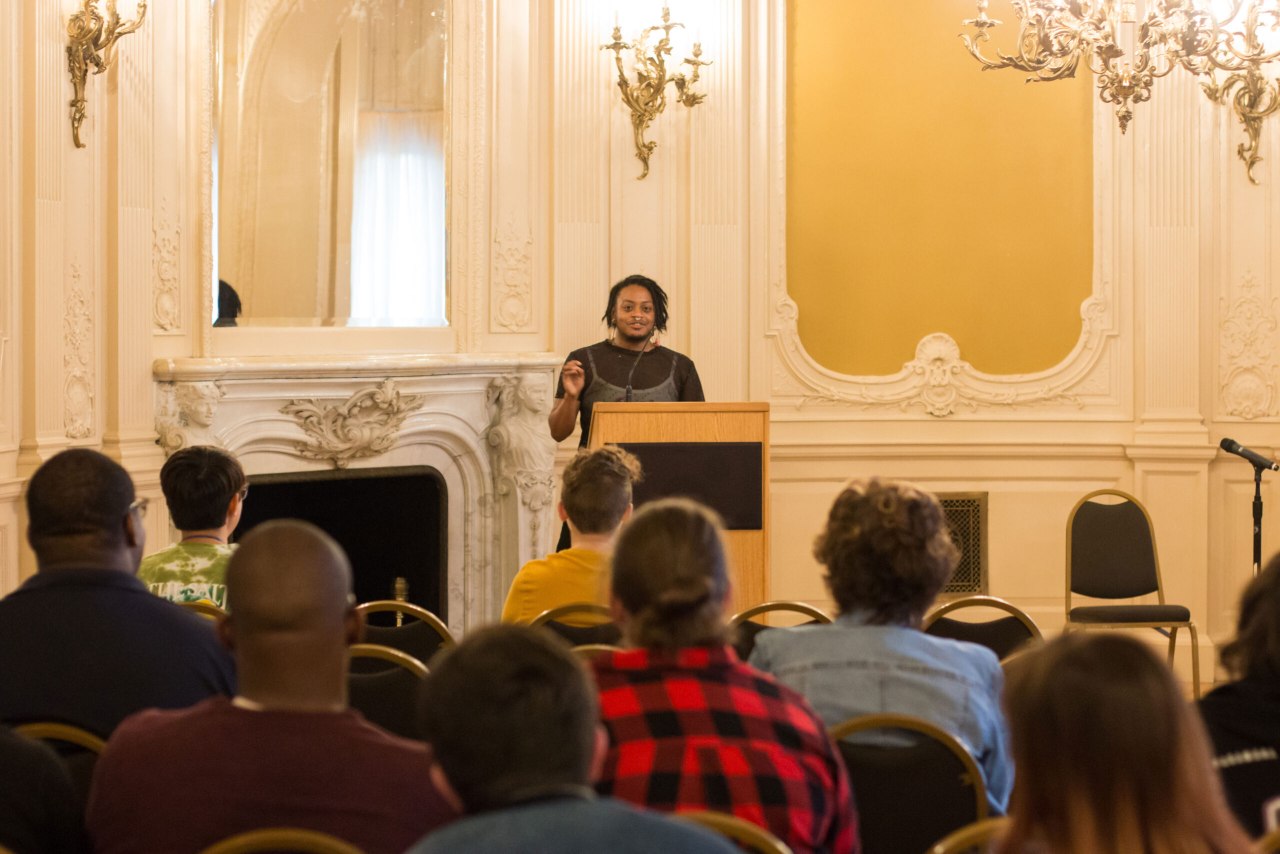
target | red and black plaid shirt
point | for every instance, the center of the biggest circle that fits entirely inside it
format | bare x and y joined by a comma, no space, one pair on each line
698,729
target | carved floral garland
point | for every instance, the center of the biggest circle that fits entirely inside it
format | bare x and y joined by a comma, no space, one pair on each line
367,425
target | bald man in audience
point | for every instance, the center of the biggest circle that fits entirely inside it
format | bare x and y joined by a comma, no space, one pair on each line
83,641
286,750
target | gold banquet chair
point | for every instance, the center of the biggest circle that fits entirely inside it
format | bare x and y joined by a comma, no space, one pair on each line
205,609
291,839
603,632
909,796
420,634
1004,635
751,837
744,629
77,749
976,837
387,697
1111,554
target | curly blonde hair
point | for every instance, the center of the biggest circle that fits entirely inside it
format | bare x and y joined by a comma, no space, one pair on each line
887,550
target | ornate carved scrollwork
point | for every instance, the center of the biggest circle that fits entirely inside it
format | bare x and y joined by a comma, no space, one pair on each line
520,447
366,425
77,384
1247,367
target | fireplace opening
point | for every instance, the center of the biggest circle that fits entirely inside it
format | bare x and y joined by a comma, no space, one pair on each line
391,522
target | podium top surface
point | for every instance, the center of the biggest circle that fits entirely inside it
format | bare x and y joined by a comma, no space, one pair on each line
678,406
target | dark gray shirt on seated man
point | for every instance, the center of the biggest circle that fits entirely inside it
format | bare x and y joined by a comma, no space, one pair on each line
83,641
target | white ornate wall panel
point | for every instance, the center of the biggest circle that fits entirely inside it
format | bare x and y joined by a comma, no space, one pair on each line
12,229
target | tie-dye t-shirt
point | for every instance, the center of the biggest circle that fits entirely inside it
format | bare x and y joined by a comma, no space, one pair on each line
188,572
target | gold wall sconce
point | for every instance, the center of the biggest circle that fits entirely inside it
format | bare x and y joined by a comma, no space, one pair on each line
92,38
647,97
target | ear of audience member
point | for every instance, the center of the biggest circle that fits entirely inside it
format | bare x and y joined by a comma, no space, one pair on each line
513,723
888,553
1111,758
763,753
82,641
595,499
39,809
204,488
286,751
1243,716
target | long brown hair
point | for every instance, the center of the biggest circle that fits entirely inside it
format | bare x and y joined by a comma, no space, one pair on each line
671,576
1255,651
1111,758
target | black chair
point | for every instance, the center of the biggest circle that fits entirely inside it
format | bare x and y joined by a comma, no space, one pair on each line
388,696
1111,554
416,631
77,748
1002,635
909,796
744,629
602,633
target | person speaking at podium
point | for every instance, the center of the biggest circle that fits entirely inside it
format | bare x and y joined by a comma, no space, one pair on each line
629,365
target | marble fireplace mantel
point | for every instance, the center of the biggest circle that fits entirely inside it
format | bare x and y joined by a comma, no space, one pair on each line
480,420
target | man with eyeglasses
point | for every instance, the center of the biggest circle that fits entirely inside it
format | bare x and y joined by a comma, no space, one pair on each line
83,641
205,488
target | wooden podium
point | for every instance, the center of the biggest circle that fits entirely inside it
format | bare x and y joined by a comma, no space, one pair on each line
717,453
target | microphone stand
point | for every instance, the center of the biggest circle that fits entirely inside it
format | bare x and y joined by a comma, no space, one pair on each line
1257,518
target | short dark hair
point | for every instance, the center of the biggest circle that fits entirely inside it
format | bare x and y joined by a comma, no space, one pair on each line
596,488
198,484
509,712
671,575
1255,650
77,493
887,550
656,293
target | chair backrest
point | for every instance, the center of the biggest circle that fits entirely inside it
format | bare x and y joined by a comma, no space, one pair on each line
77,748
1003,635
294,839
588,651
205,609
388,697
1111,552
743,630
1268,843
750,836
976,837
601,633
422,634
909,796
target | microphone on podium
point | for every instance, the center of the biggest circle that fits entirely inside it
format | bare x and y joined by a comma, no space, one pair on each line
1231,446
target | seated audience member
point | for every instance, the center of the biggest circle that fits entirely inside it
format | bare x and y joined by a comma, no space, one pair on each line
515,733
690,726
595,499
205,489
286,751
1243,717
39,808
1111,759
82,641
888,554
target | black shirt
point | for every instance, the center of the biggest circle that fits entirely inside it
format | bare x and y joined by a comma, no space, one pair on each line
659,374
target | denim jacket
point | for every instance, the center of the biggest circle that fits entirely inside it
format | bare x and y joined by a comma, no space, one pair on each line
851,668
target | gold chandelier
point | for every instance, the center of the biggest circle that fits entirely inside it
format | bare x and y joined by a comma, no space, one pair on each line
1236,38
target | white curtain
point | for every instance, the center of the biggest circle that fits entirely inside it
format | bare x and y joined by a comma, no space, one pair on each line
398,220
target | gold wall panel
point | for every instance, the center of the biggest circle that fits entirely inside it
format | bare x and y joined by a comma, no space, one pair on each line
926,196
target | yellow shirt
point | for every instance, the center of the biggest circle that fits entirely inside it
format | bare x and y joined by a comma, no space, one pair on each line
572,575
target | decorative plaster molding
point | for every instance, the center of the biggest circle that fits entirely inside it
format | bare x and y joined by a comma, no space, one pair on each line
512,284
166,243
77,385
367,425
185,414
1247,347
937,381
522,450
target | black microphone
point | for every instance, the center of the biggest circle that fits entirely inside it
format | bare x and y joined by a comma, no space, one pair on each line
636,364
1231,446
